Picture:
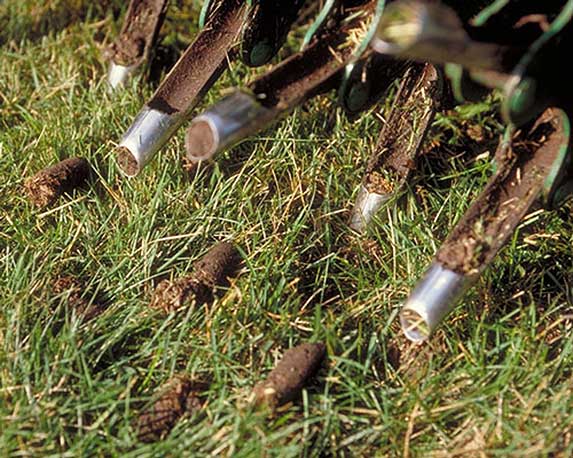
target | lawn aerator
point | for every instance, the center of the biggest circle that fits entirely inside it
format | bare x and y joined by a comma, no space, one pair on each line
533,160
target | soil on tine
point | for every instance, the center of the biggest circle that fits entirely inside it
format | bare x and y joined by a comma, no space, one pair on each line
288,378
211,271
417,100
126,161
515,189
200,141
143,20
178,397
203,61
48,184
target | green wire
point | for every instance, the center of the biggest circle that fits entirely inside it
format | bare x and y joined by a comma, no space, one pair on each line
484,15
373,26
556,26
203,14
324,12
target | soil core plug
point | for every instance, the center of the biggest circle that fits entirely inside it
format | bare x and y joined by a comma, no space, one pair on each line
208,273
178,397
49,184
288,378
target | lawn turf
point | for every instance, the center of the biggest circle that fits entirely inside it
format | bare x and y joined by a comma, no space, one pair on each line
496,379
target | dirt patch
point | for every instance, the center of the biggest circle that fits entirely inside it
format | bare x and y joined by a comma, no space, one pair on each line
74,288
140,26
178,397
48,184
211,271
288,378
514,190
203,61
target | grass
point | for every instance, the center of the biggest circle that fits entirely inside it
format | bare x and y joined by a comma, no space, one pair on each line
494,381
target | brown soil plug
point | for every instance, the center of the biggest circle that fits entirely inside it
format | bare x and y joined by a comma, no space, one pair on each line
48,184
288,378
74,288
209,272
178,397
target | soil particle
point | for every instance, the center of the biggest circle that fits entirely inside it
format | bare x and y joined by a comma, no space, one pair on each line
48,184
209,272
179,396
73,288
514,190
141,24
288,378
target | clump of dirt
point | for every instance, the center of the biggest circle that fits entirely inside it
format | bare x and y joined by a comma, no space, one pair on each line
288,378
211,271
48,184
141,24
178,397
74,288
